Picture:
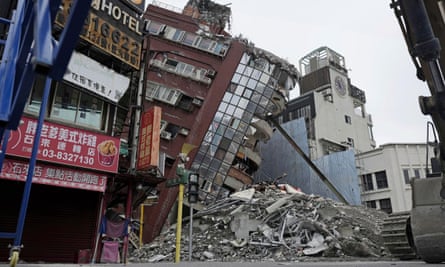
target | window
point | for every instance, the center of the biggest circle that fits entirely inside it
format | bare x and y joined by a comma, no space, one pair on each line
350,142
406,175
80,108
154,27
367,182
189,38
348,119
162,93
186,103
385,205
207,44
382,181
371,134
371,204
72,106
417,173
35,99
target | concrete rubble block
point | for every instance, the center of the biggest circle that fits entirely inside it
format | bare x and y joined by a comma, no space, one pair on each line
277,204
242,225
245,195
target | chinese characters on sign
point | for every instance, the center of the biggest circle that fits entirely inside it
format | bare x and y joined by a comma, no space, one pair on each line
66,145
149,134
52,175
95,77
112,27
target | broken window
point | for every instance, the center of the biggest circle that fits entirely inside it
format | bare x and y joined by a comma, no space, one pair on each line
186,103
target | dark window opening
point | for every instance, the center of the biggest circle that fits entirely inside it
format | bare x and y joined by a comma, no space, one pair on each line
367,182
385,205
381,179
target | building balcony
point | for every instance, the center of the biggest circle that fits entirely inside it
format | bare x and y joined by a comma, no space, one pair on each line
236,179
277,104
253,158
263,131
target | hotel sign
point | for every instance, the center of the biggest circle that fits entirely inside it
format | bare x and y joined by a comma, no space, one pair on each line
111,26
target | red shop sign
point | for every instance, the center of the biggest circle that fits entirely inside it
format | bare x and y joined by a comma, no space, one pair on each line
66,145
54,175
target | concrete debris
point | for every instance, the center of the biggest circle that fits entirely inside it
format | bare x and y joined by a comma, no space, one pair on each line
273,225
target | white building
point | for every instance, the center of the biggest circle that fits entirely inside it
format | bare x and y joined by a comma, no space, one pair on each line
385,174
333,108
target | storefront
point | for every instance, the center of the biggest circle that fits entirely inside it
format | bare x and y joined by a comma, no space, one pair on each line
69,182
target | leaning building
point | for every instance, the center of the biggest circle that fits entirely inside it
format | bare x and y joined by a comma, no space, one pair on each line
214,91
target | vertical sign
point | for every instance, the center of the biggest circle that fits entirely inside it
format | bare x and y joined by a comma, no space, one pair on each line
149,138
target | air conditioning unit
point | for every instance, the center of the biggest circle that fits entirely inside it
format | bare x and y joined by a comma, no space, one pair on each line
211,73
157,63
166,135
206,80
197,101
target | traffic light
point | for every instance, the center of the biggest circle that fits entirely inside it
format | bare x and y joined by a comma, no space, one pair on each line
193,187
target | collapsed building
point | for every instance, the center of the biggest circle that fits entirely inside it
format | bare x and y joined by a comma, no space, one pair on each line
215,91
267,222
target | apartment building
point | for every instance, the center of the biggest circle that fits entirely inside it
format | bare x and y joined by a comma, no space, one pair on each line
214,91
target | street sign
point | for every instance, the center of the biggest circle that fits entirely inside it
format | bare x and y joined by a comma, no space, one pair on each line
176,181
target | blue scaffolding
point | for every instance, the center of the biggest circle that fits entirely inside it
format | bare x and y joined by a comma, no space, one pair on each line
29,50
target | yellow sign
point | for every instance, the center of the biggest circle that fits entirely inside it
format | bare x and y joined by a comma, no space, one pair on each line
108,35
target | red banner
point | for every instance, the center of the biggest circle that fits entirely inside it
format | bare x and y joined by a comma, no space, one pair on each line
54,175
149,135
66,145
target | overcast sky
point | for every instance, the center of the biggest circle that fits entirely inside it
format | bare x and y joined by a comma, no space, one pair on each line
366,33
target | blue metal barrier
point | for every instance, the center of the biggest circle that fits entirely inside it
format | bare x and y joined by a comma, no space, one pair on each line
31,50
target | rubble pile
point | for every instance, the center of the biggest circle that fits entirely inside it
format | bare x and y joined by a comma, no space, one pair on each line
267,223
